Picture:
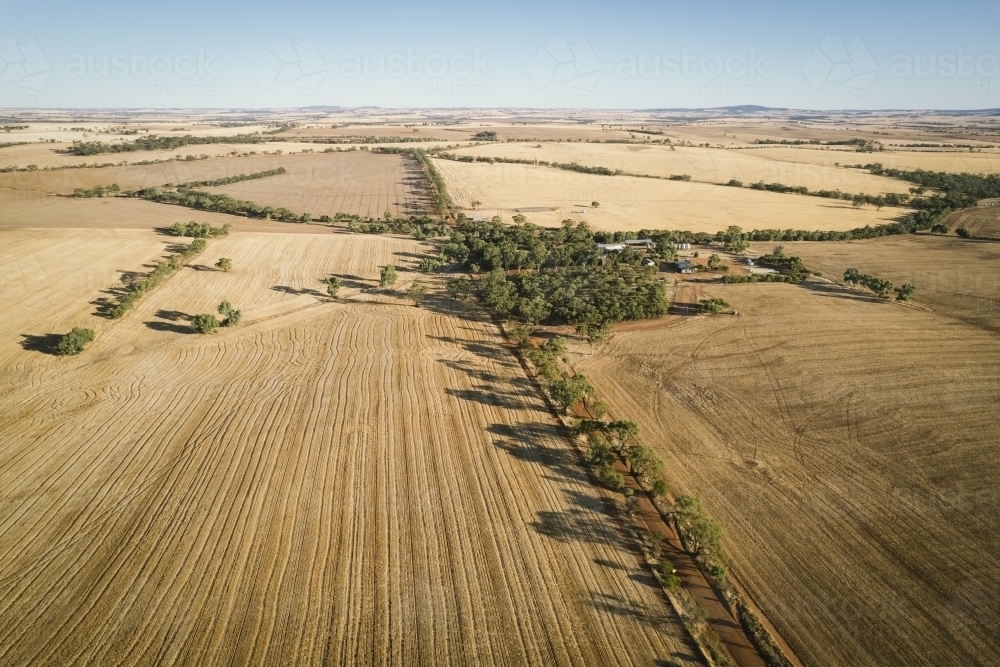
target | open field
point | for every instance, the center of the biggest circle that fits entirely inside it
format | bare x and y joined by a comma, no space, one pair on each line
955,277
847,447
952,161
635,203
359,482
27,210
713,165
367,184
321,183
980,221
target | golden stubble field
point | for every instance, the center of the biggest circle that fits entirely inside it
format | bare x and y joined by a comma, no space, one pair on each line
628,203
359,482
848,448
713,165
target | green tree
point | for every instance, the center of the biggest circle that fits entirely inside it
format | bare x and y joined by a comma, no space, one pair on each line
387,276
569,391
642,460
905,292
416,291
715,262
963,232
595,332
534,310
521,334
474,203
595,204
600,452
459,288
74,342
204,323
332,286
231,316
623,431
224,263
735,241
498,292
703,532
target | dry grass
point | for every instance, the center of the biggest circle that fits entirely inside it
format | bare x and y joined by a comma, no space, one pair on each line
980,221
847,446
636,203
360,482
702,164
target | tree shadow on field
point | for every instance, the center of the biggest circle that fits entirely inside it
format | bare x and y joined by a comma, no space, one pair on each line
619,606
298,291
832,290
351,281
176,322
487,395
47,343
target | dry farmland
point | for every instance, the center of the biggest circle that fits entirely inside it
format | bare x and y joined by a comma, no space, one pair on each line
954,277
642,203
848,447
367,184
953,161
712,165
359,482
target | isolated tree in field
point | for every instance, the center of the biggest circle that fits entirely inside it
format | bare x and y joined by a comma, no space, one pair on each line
474,203
231,316
204,323
595,204
224,263
74,342
387,276
963,232
714,262
332,286
905,292
417,291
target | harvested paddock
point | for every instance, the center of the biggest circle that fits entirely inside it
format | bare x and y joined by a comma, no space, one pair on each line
980,221
848,448
955,277
359,182
26,209
714,165
641,203
52,155
954,161
359,482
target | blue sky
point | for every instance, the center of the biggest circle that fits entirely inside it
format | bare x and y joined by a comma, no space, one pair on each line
854,55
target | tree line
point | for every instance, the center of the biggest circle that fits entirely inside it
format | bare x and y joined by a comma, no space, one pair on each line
438,187
239,178
135,290
880,286
154,142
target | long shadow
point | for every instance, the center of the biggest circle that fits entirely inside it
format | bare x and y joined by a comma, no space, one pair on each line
619,606
47,343
355,282
835,291
296,291
158,325
172,315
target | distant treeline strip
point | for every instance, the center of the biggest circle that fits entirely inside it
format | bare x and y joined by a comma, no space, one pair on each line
439,189
239,178
205,201
155,143
161,270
